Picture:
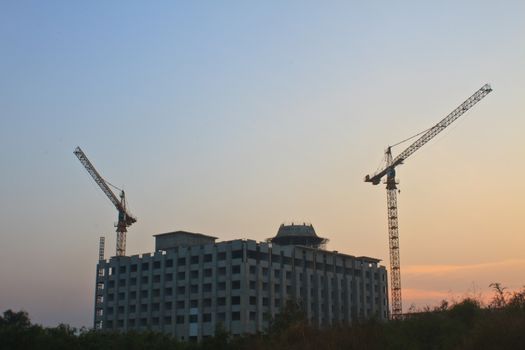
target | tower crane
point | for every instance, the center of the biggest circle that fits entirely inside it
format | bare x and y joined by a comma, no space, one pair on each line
125,219
389,171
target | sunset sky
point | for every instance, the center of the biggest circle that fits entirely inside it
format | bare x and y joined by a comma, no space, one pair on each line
232,117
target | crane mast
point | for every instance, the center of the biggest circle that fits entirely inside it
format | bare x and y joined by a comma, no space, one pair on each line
124,218
391,191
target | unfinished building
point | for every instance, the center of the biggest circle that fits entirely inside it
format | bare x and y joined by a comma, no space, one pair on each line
191,283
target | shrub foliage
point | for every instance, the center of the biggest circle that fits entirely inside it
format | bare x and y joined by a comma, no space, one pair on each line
461,325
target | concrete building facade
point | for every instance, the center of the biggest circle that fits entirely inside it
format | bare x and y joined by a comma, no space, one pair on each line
191,283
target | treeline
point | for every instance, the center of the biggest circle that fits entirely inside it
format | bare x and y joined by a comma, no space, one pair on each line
461,325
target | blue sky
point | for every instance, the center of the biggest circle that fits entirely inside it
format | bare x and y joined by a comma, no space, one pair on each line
231,117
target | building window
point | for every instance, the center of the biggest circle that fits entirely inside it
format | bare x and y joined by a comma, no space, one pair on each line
253,269
144,308
168,305
144,294
156,265
236,316
194,288
253,300
194,303
145,266
156,307
194,259
180,319
221,301
181,304
194,274
221,316
181,275
252,315
193,318
156,278
236,300
237,254
253,285
156,293
206,302
221,271
133,281
208,258
277,273
221,256
221,285
208,273
122,269
206,317
168,291
132,308
236,269
181,261
144,280
167,319
251,254
169,263
134,268
181,290
168,277
236,284
206,288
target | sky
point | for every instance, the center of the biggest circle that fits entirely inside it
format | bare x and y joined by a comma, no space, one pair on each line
230,118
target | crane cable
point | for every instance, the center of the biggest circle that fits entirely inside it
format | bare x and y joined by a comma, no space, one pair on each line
110,184
411,137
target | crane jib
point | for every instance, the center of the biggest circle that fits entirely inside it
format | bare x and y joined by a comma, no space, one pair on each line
432,132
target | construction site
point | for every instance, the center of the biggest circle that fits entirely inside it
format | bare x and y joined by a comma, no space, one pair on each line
191,283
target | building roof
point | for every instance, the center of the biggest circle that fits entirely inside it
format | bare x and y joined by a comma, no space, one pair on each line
201,235
303,230
301,234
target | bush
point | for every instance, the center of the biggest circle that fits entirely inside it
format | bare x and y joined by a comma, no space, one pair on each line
463,325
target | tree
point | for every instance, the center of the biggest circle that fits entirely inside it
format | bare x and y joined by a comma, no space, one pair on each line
15,319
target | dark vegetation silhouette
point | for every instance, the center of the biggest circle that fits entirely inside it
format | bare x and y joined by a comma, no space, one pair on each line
467,324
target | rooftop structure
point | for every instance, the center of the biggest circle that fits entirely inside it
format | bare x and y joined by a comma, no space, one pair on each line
303,235
172,240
